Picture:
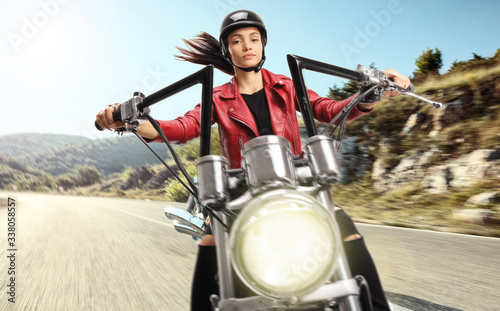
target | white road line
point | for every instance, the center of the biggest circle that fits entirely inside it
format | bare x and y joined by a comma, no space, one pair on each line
163,223
397,308
429,231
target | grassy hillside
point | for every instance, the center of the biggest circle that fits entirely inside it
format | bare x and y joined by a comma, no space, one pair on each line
107,155
22,144
16,175
41,162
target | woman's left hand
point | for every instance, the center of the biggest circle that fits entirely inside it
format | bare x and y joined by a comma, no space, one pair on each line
399,79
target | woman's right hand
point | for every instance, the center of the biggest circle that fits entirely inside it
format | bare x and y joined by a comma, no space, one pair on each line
105,118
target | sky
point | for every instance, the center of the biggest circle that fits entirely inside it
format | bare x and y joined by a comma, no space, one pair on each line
62,61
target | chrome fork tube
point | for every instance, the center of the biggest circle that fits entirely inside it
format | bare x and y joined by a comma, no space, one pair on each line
343,272
226,284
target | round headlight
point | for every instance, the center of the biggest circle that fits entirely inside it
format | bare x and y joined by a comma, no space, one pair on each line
283,244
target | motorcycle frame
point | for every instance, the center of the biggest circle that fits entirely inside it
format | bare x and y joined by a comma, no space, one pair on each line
297,64
345,289
347,300
205,78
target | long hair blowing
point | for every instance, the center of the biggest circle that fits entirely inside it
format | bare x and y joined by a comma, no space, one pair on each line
204,49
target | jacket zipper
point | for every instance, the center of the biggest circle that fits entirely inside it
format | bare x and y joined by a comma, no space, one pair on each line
240,121
292,134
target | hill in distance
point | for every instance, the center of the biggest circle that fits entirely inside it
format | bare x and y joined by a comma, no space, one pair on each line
58,154
16,145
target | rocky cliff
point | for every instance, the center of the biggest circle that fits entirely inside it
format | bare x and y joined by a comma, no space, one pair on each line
433,153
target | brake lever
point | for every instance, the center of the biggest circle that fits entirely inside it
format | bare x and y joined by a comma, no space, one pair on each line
374,77
129,113
394,87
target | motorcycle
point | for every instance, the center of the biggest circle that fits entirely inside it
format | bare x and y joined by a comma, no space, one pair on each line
272,219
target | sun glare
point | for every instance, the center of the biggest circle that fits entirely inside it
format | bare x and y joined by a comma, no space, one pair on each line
45,47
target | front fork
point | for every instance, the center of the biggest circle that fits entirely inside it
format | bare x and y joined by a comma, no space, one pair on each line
343,271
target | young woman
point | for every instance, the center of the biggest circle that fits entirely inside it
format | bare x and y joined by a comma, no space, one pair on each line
255,102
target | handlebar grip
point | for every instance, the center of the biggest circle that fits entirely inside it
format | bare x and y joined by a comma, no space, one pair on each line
97,126
117,116
410,88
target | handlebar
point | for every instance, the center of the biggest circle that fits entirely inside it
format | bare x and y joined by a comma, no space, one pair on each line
136,110
116,118
132,112
373,77
129,112
365,78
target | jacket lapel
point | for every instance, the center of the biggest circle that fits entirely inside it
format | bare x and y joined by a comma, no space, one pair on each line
277,107
235,106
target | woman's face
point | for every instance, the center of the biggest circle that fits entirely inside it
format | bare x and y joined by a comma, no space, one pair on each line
245,47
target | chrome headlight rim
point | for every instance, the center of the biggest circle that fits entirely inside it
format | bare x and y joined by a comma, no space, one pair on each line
323,255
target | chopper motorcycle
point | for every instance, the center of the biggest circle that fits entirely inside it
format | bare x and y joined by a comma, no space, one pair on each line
278,243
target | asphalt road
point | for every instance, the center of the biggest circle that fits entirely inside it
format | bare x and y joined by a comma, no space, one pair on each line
426,270
81,253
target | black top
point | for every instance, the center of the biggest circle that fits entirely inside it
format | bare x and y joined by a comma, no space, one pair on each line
257,103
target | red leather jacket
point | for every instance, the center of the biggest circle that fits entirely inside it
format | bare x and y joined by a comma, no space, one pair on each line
236,124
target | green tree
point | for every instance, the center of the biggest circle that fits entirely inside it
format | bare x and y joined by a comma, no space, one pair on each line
66,181
127,173
335,93
476,62
189,154
44,182
191,150
348,89
86,175
175,191
497,54
429,62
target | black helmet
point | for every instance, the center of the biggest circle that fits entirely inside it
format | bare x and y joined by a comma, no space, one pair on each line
240,19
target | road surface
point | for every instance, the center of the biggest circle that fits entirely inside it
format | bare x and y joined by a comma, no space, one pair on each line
82,253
